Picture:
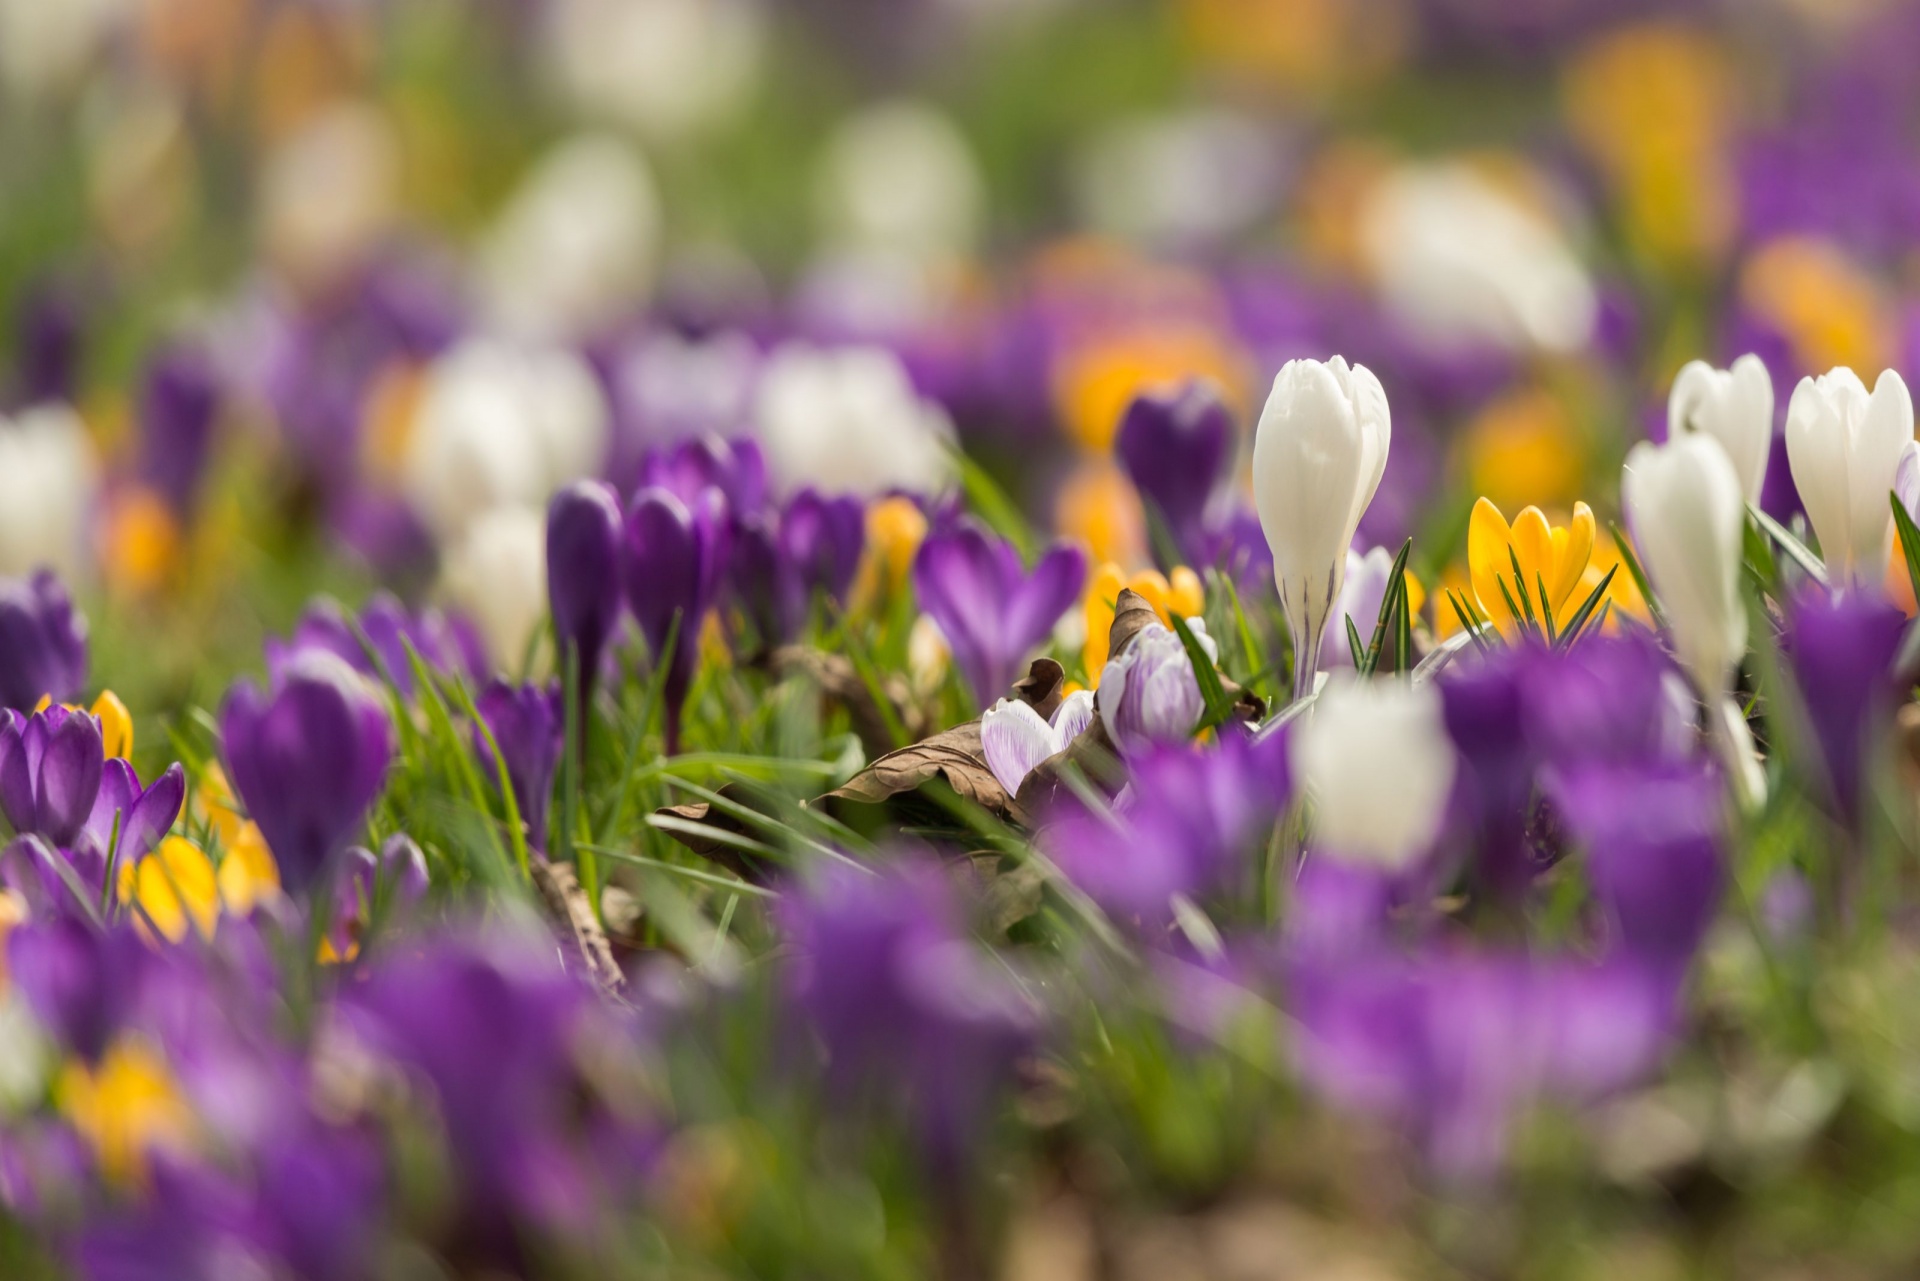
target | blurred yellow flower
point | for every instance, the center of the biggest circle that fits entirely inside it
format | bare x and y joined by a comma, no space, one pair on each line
1524,447
1552,559
1651,103
1099,507
1305,46
895,529
174,888
143,542
1180,594
1829,309
248,874
126,1108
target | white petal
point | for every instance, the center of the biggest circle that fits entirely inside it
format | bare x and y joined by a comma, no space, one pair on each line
1014,740
1817,454
1072,717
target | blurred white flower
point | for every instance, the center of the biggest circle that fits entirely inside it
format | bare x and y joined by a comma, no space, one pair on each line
1460,260
1844,446
49,476
45,45
497,426
899,176
1733,406
496,574
669,68
329,194
1376,761
1015,740
576,248
1193,176
1318,454
928,656
848,420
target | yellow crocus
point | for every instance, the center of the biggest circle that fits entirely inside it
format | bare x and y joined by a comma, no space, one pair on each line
895,529
143,542
1181,593
1552,559
175,888
248,874
116,722
125,1109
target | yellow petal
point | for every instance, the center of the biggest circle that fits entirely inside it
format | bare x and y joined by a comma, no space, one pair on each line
1188,598
125,1109
1417,595
46,701
1152,586
248,874
175,887
1574,556
1533,547
1489,540
116,724
1102,591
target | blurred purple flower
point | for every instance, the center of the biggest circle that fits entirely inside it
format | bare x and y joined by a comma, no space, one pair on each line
43,642
993,611
50,768
308,758
907,1009
49,339
446,644
1842,655
529,724
82,981
179,405
375,888
735,467
1177,445
675,554
584,528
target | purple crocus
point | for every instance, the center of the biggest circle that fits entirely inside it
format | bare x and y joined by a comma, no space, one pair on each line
372,887
179,404
780,564
308,758
1177,445
674,556
126,820
43,642
50,768
736,468
583,574
528,722
906,1009
445,643
992,610
50,332
81,980
1842,655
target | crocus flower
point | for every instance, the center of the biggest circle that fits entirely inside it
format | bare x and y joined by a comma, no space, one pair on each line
1735,407
50,768
1178,592
584,528
370,885
308,758
1318,455
849,418
139,815
735,467
1844,446
1367,581
497,576
82,981
992,611
1150,693
1015,739
1683,502
1177,444
1377,763
781,561
179,403
43,642
528,724
674,556
50,332
1551,559
1842,655
377,643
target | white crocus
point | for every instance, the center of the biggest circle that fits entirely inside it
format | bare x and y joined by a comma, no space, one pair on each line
497,575
1844,446
1684,505
1375,759
575,250
500,426
49,476
670,68
1459,260
1015,739
900,177
1733,406
849,420
1318,455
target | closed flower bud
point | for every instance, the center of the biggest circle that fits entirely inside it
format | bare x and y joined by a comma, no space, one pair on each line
1149,693
1683,503
1318,456
1844,446
1377,762
1735,407
584,525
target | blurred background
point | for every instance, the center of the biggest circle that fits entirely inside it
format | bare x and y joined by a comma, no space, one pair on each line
327,284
